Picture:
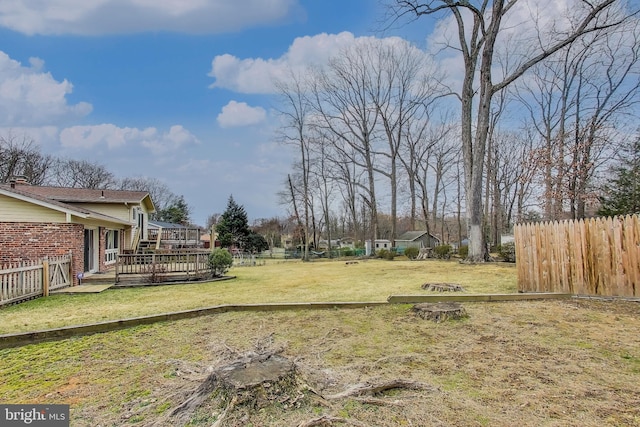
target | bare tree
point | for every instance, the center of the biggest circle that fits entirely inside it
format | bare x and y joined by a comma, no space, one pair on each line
479,24
344,108
21,156
349,177
295,112
403,84
426,156
272,230
576,104
82,174
160,193
323,182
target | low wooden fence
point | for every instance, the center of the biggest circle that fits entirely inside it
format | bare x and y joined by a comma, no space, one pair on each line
29,279
598,256
191,264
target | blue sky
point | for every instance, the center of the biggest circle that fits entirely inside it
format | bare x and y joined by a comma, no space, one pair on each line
182,90
156,89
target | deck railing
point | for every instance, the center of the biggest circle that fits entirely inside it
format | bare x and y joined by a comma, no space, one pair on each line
176,236
192,264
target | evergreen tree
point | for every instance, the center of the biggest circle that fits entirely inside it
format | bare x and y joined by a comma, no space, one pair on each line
622,193
233,226
256,242
177,212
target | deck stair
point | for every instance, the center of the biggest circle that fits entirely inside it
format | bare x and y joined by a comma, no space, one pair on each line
107,278
146,246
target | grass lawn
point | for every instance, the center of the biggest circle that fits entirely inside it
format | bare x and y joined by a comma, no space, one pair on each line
527,363
537,363
294,281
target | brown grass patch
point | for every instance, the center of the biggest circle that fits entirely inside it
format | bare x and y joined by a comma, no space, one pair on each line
554,363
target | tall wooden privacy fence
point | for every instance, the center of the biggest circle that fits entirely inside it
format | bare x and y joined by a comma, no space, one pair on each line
598,256
30,279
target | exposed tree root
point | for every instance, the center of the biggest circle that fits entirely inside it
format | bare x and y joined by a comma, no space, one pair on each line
362,389
325,420
231,394
328,420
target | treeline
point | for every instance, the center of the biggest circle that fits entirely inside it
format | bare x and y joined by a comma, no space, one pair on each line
21,156
380,134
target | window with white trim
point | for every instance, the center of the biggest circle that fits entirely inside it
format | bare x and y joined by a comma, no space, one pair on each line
112,241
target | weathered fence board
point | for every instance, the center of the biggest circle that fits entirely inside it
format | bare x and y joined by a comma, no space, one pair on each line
597,256
30,279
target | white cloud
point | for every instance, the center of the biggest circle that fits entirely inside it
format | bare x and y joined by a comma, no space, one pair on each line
111,136
31,97
171,141
43,136
128,16
237,114
256,75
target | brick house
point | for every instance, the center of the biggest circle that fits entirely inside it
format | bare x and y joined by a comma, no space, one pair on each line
93,225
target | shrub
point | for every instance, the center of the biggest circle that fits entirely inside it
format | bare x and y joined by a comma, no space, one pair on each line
220,261
386,254
411,253
463,251
346,251
382,253
508,252
155,273
442,251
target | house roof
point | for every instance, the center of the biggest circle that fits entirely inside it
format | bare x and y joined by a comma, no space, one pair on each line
39,198
410,236
87,195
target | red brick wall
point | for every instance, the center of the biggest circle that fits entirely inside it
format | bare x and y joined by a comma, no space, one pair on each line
21,241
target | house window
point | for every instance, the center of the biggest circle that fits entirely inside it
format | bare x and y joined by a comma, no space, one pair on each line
112,241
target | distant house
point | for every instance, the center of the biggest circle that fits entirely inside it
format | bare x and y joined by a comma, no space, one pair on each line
336,244
92,225
378,245
417,239
348,242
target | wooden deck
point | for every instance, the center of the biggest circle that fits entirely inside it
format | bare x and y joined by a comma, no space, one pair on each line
154,267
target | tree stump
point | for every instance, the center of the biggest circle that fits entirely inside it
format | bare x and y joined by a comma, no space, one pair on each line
441,311
443,287
251,382
265,381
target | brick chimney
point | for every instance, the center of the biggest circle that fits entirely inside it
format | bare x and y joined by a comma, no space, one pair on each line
18,180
